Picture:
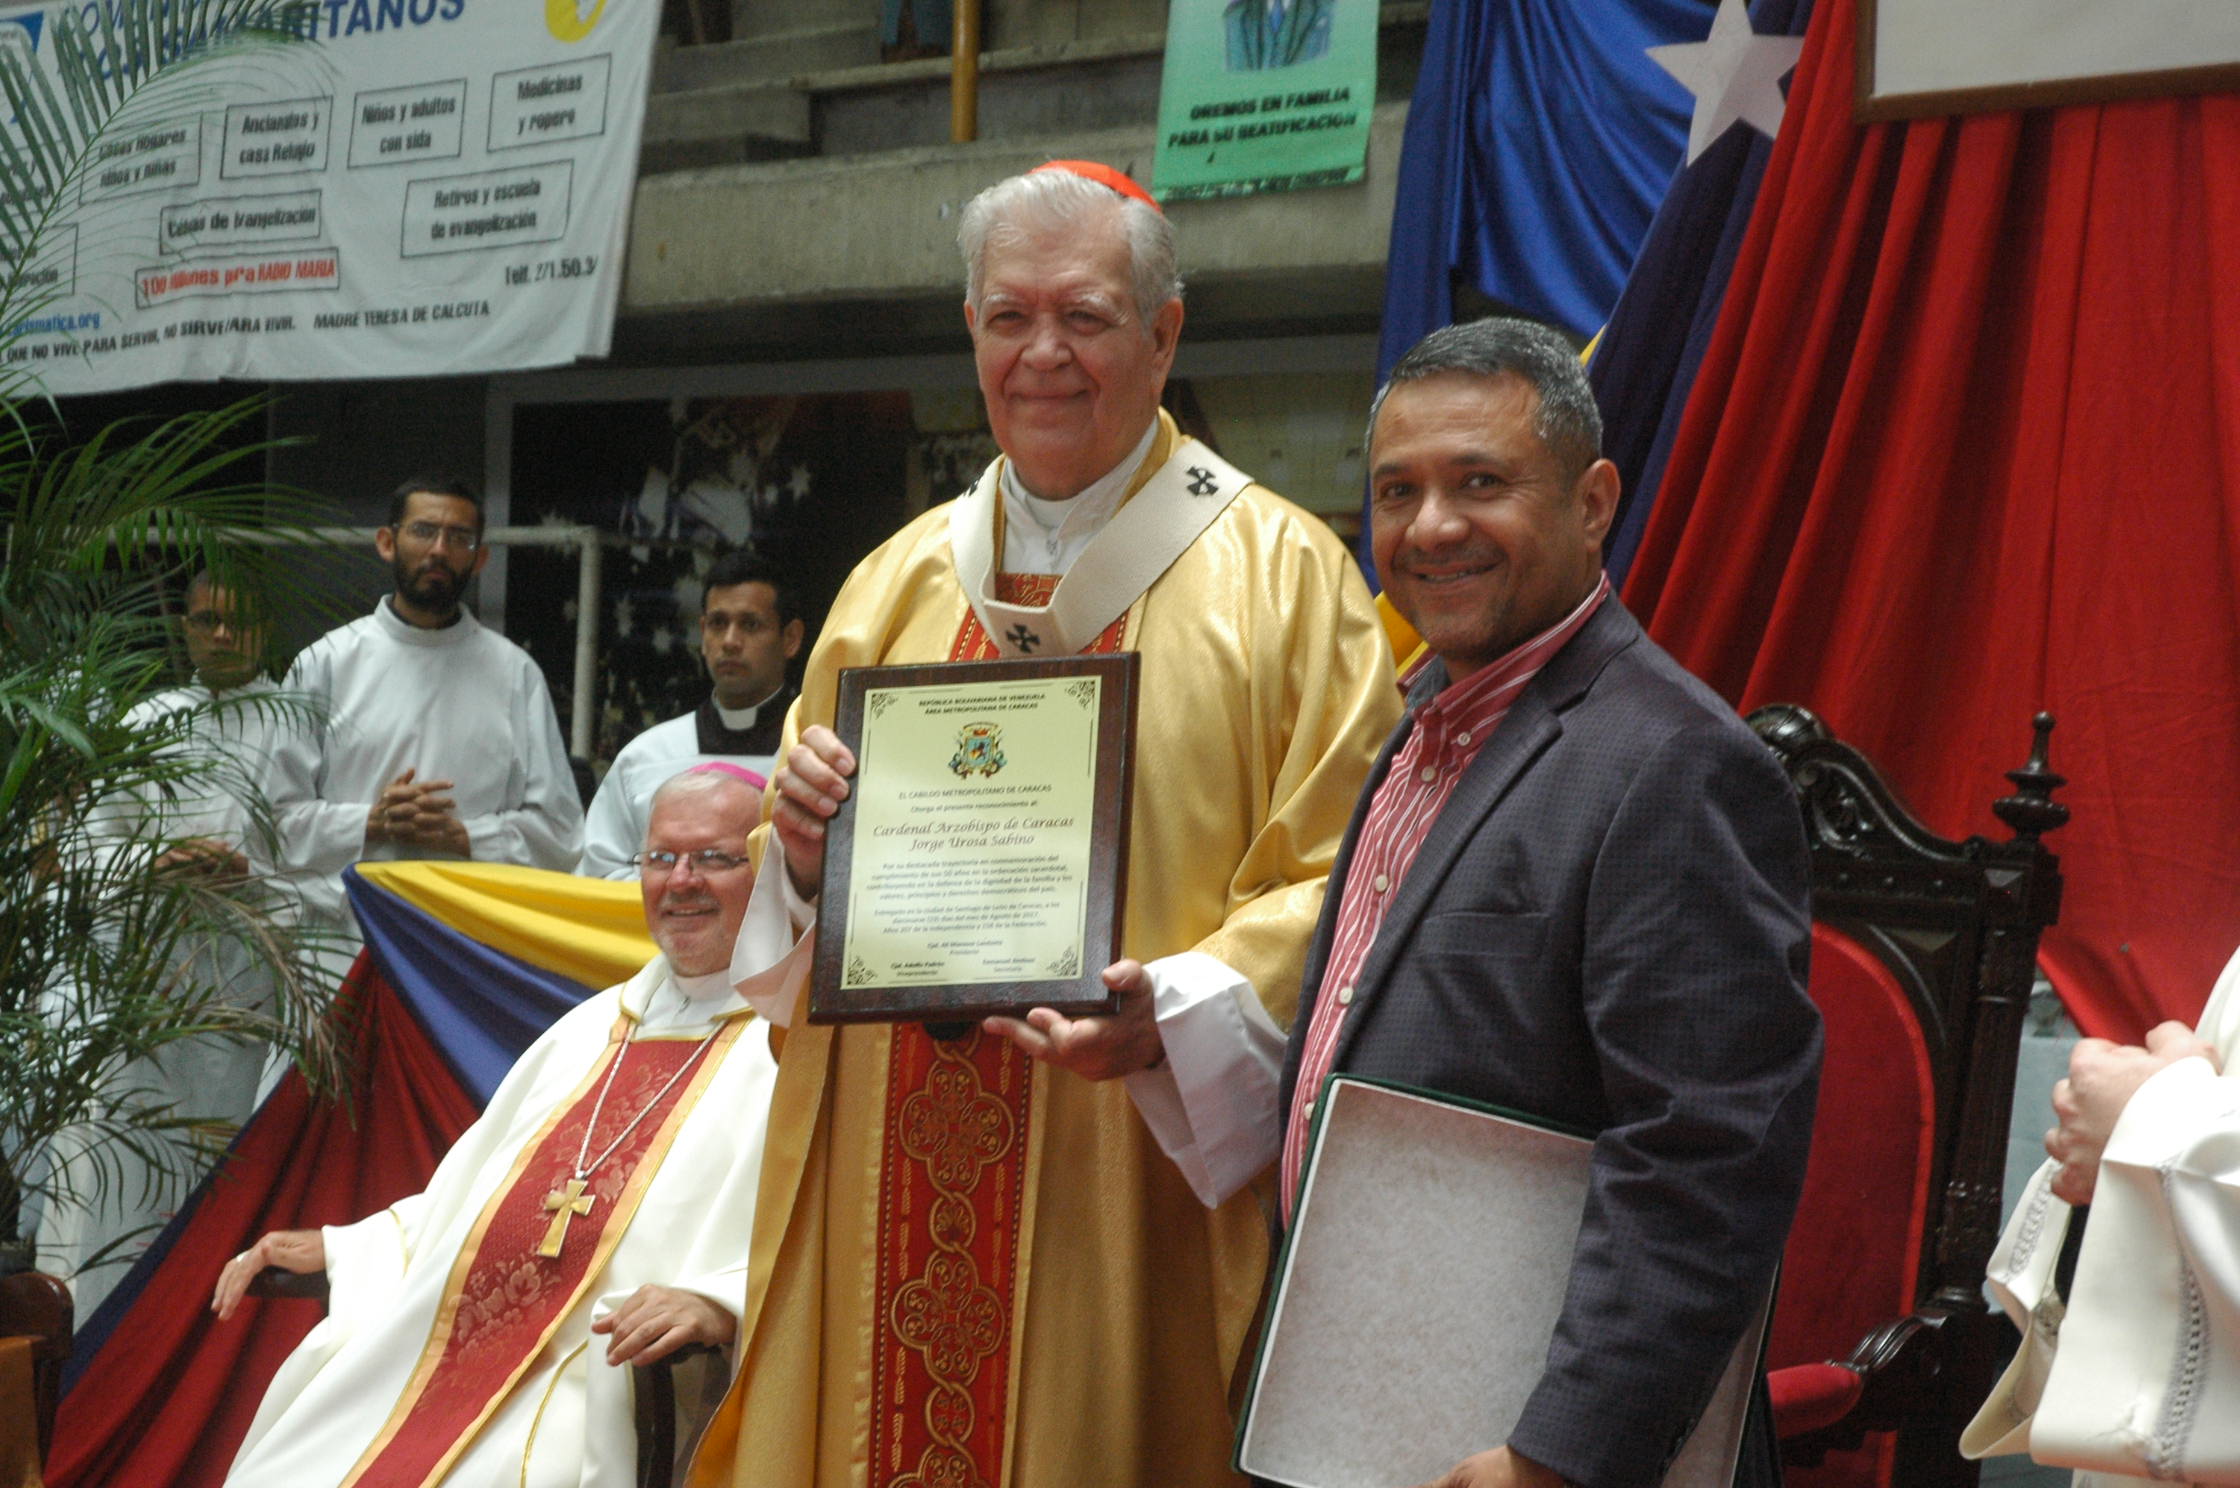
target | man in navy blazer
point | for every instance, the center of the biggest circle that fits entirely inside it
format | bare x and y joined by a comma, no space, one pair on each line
1575,886
1599,913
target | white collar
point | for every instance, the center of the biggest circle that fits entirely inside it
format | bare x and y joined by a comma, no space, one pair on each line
397,628
743,718
707,988
1175,502
1042,536
659,998
197,690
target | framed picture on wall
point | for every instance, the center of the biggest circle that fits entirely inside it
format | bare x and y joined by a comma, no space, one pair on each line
1920,58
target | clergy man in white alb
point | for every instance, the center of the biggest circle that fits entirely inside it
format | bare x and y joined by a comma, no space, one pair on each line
596,1216
227,719
438,737
750,628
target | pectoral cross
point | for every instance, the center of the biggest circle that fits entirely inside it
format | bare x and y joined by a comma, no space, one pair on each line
565,1202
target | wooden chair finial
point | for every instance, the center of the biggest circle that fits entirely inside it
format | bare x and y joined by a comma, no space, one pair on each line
2032,811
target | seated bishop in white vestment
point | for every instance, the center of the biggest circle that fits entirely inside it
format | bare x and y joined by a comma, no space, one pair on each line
2135,1375
598,1214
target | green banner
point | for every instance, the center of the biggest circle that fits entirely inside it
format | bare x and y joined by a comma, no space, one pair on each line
1264,95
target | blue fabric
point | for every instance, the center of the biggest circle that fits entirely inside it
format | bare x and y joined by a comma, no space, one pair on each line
1645,366
480,1006
1541,139
930,19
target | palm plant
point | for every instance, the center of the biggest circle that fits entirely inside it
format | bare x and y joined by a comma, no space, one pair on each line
109,952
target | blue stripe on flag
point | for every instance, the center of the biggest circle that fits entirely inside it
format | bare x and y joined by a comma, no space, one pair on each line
1645,367
480,1006
1541,138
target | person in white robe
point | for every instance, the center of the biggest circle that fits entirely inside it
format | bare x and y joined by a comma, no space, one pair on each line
2134,1374
109,1205
675,1274
750,629
437,736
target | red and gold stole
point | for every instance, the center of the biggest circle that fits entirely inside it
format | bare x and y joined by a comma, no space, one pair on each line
504,1300
953,1170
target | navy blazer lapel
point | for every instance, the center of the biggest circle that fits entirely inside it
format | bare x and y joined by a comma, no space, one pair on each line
1534,722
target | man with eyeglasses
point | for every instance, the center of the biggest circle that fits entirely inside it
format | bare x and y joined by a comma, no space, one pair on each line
209,826
750,628
597,1215
220,712
438,737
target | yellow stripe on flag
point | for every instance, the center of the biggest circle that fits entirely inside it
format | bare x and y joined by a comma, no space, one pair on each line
588,929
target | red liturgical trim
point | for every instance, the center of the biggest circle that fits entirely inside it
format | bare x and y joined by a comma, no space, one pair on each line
505,1299
953,1174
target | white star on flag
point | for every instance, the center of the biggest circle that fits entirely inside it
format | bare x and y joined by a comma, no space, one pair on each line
1734,73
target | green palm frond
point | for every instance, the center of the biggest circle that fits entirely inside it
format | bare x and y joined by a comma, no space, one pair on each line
97,72
109,954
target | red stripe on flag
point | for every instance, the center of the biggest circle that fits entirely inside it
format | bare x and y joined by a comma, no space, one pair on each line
170,1402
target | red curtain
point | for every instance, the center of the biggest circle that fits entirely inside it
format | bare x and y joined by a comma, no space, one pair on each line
170,1398
1961,449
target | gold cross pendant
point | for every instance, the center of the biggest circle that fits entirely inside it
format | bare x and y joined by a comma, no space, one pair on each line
565,1203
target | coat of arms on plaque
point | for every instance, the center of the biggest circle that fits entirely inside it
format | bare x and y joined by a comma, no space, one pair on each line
979,750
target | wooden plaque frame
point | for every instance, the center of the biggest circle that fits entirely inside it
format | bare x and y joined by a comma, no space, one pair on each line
1112,800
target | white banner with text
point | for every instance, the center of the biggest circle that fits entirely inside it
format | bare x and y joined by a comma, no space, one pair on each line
421,187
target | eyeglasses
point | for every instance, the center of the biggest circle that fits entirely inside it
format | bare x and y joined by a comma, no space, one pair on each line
707,861
432,534
210,622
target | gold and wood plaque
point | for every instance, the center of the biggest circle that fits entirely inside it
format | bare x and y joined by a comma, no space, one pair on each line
979,863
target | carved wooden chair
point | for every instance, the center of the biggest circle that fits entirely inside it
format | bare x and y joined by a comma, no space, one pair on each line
655,1401
653,1396
36,1306
1924,953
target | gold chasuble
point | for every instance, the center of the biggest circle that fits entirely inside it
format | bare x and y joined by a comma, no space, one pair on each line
969,1270
541,1239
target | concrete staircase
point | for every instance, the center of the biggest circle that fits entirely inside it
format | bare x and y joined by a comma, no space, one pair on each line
796,190
824,92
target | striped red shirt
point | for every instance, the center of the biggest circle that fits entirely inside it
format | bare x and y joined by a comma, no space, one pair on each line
1449,731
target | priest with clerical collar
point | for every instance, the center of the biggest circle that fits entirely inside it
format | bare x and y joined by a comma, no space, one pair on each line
750,631
1051,1303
